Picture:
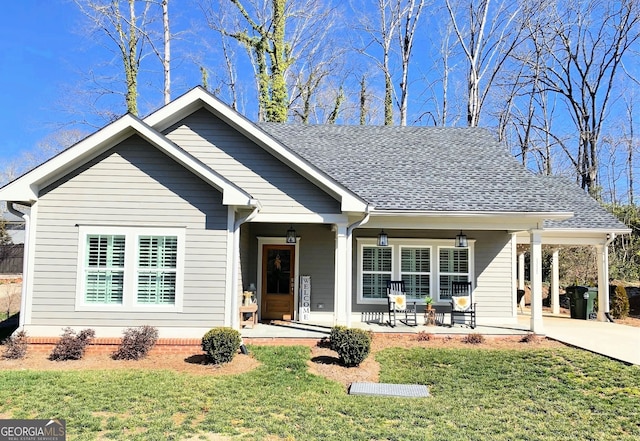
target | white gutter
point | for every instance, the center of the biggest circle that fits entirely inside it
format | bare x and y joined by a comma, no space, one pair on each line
235,270
25,258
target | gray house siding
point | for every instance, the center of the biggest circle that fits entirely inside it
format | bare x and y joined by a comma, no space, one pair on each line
278,188
317,255
132,184
492,270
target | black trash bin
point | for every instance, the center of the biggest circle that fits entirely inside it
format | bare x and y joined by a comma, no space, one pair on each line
582,302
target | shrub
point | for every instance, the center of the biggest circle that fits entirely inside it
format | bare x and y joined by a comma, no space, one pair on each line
15,346
619,301
423,336
529,338
473,339
352,345
72,346
136,343
221,344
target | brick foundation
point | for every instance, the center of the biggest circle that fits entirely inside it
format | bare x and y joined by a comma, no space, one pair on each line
185,346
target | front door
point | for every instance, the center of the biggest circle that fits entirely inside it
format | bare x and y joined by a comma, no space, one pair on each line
278,281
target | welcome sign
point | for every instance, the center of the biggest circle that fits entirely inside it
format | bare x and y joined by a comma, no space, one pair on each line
305,298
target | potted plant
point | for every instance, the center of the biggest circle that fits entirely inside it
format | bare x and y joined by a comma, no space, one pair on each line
428,302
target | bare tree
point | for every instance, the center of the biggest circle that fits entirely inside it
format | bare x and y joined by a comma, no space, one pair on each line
488,33
408,19
585,44
127,30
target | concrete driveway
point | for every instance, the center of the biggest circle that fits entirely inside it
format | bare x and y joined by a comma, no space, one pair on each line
619,342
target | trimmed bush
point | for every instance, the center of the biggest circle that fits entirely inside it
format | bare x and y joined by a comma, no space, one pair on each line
619,301
352,345
529,338
72,346
221,344
136,343
15,346
473,339
423,336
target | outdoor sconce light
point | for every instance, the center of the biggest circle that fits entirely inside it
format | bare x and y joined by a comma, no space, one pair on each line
383,239
461,240
291,235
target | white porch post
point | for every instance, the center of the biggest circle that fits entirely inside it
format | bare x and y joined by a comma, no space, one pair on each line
521,276
555,282
341,302
602,252
535,271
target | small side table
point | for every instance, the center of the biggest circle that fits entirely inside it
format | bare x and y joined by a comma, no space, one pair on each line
430,317
249,315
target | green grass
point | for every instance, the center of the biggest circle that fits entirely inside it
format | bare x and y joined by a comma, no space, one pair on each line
477,395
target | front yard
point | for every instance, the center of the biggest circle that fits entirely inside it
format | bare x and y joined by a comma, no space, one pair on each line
477,394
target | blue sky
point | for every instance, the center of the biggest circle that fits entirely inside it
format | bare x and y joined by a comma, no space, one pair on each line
38,54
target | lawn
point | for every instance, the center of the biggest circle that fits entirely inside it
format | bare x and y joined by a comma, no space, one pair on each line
478,394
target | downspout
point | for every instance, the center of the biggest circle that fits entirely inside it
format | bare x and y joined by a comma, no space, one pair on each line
25,258
610,238
350,229
235,270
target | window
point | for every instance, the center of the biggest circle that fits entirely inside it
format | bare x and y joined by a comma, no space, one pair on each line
104,269
427,267
376,271
130,268
415,271
454,267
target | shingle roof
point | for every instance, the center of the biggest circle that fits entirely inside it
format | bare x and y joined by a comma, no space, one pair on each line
588,213
435,169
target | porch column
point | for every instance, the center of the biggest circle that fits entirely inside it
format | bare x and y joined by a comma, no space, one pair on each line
521,276
555,282
602,252
341,305
535,270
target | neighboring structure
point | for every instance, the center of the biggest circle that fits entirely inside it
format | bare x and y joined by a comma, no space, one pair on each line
166,221
15,227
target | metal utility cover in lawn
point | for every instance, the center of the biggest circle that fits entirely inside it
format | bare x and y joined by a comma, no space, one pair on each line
389,390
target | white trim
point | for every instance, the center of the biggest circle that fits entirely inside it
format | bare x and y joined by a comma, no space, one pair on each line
263,240
29,265
300,218
396,244
27,187
198,98
230,267
129,296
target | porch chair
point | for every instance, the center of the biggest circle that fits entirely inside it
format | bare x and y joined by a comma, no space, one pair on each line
397,302
462,302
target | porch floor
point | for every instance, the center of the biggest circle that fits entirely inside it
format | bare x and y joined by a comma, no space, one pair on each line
612,340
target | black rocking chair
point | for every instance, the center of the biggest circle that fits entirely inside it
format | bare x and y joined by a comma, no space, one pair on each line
397,301
462,302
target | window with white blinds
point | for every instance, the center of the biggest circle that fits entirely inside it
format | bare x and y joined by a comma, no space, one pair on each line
130,268
454,267
427,267
415,270
376,271
157,260
104,269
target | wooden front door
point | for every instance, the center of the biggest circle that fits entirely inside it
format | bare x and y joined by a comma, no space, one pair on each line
278,281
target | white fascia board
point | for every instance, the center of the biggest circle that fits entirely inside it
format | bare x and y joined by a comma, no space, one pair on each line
198,98
309,218
27,187
572,236
460,220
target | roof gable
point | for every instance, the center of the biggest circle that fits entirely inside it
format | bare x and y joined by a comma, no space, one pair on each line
198,98
26,188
